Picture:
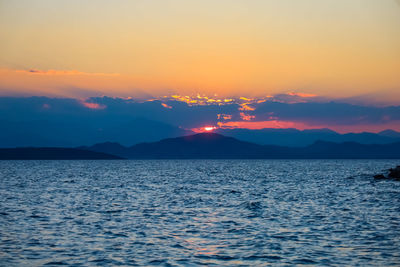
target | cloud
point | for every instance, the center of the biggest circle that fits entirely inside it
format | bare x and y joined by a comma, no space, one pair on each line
92,105
246,107
246,117
327,113
224,117
305,95
272,124
64,72
267,114
295,97
166,106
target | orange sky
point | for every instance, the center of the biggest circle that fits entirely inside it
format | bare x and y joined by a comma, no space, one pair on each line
332,48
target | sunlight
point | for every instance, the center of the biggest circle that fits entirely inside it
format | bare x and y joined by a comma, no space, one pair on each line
209,128
205,129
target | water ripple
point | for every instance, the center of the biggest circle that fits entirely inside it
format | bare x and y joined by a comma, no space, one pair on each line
200,212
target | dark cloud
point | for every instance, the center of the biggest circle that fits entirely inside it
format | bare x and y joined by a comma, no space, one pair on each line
297,98
97,119
182,114
326,113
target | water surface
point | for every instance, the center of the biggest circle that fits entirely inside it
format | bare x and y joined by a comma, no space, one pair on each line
200,212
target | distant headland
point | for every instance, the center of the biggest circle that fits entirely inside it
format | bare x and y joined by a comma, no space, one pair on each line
208,146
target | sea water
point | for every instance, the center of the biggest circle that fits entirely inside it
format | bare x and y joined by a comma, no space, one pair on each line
198,212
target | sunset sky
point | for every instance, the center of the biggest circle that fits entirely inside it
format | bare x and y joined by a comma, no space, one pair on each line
314,50
335,48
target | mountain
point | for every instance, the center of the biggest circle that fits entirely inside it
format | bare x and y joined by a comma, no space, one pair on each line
51,153
72,132
216,146
112,148
351,150
67,122
298,138
206,145
390,133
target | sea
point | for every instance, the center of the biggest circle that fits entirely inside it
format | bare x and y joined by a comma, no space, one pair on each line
199,213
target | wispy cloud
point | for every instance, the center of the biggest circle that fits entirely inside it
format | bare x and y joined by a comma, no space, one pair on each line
301,94
246,117
91,105
64,72
166,106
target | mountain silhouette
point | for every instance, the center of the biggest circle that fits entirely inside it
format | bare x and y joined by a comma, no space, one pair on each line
216,146
47,153
301,138
390,133
204,145
71,132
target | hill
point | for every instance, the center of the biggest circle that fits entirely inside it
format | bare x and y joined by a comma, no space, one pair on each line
301,138
51,153
216,146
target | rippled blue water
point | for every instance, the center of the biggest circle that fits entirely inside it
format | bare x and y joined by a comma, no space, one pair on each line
188,213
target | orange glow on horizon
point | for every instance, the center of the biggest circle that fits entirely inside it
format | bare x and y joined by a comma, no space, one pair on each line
80,84
209,129
277,124
206,129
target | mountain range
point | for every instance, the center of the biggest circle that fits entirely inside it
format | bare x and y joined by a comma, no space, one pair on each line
208,146
216,146
47,133
301,138
51,153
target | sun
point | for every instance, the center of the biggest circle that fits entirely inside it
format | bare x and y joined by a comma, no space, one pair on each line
204,129
209,128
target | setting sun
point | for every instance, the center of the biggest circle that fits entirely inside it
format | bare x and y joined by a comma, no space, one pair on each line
209,128
203,129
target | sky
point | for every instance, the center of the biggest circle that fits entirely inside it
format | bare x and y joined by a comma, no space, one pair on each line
335,48
330,50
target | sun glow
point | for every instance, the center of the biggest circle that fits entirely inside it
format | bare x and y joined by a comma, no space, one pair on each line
206,129
209,128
